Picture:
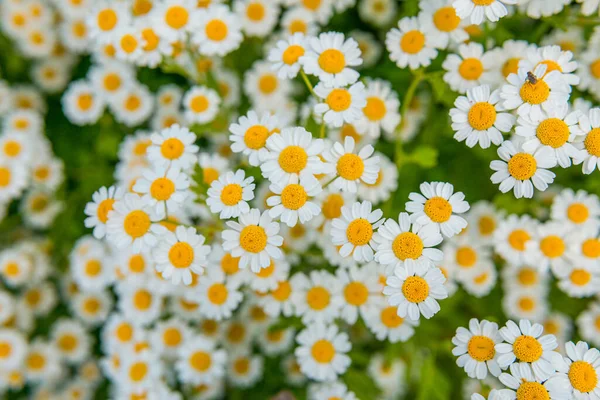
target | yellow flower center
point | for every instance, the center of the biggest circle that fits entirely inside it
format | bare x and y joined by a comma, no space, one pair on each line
317,298
216,30
129,43
136,224
137,264
255,11
172,148
93,268
256,136
124,332
339,100
217,293
323,351
466,257
12,269
293,197
527,276
112,82
483,2
578,213
311,4
482,116
445,19
595,69
375,109
142,299
415,289
132,103
592,142
407,245
511,66
487,225
107,19
231,194
522,166
162,189
332,61
293,159
591,248
580,277
292,54
181,255
553,132
552,246
151,38
141,7
209,175
356,293
268,83
481,348
412,42
103,208
5,175
518,238
200,361
282,292
532,391
36,361
172,337
266,272
332,206
350,167
85,101
236,333
389,317
359,232
551,66
297,25
470,69
230,265
534,93
5,349
253,239
583,376
527,348
177,17
438,209
67,342
199,104
241,366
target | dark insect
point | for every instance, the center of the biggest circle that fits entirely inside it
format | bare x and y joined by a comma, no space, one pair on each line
531,78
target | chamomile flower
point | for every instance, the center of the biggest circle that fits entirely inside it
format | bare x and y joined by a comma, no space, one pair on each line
340,105
321,352
278,301
478,118
91,308
588,323
439,206
377,12
201,105
42,362
276,341
291,153
464,256
331,58
13,180
381,112
411,44
265,88
269,278
354,231
292,203
133,105
580,282
217,31
525,304
244,369
71,339
512,235
475,348
471,67
521,170
415,289
180,253
200,361
577,209
385,323
477,10
16,148
447,27
583,247
351,168
483,219
174,19
522,379
286,54
548,248
249,135
257,17
333,390
105,20
97,210
15,267
218,297
169,336
27,122
317,297
82,104
555,59
230,194
581,368
93,271
15,348
525,343
589,71
589,155
173,146
360,290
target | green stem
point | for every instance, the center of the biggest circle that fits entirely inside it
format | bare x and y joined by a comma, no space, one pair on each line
307,82
322,129
419,75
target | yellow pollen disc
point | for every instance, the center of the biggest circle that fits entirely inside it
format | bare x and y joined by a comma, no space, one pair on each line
595,69
553,132
41,173
256,136
132,103
5,175
526,303
297,231
85,101
217,293
375,109
200,361
172,148
583,376
5,350
551,327
209,326
12,148
255,12
151,38
339,100
216,30
209,175
129,43
511,66
487,225
177,17
359,232
412,42
518,238
527,276
438,209
142,299
188,305
33,297
482,116
522,166
93,268
592,142
236,333
12,269
181,255
199,104
407,245
91,306
136,224
415,289
293,197
591,248
275,336
466,257
578,213
323,351
21,124
349,130
551,66
253,239
297,25
532,391
172,337
332,61
230,265
137,264
332,206
350,167
67,342
268,83
241,366
103,208
36,361
266,272
580,277
527,348
282,292
292,54
141,7
312,5
356,293
112,82
481,348
162,189
470,69
534,93
231,194
483,2
293,159
389,317
107,19
552,246
445,19
317,298
481,279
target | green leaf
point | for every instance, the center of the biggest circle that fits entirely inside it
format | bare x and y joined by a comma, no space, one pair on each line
425,156
363,386
433,384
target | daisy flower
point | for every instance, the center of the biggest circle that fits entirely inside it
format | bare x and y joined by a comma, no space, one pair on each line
583,247
299,20
201,105
354,231
580,282
230,193
81,104
106,18
218,298
291,203
180,252
286,54
580,367
138,303
92,271
412,43
173,146
278,301
521,170
269,278
381,112
15,348
438,205
42,362
589,155
415,289
174,19
97,210
340,105
291,153
385,184
524,343
483,219
548,248
384,322
475,348
588,323
464,256
361,291
71,339
525,305
378,12
316,298
128,44
331,57
576,209
333,390
351,169
213,166
369,46
13,180
589,71
522,380
200,361
132,223
216,31
555,59
512,235
476,10
258,17
254,239
321,352
164,189
133,105
249,135
264,88
447,27
402,243
471,67
477,118
482,279
530,94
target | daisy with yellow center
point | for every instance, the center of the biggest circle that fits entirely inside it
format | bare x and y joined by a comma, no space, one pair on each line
548,248
164,189
71,339
13,348
286,54
47,172
249,135
139,371
381,111
401,243
217,31
273,341
447,26
27,122
245,369
279,300
555,59
525,305
478,10
299,20
173,146
97,210
16,267
512,235
181,253
576,209
230,193
16,148
331,57
588,323
128,44
354,231
481,280
169,336
265,88
483,219
580,282
174,19
133,105
291,154
471,67
42,361
439,206
583,248
521,170
509,56
110,78
581,368
292,203
411,44
218,298
200,361
589,70
465,255
321,352
82,105
414,290
333,391
475,348
316,297
201,105
106,18
524,384
524,343
257,17
92,271
384,322
269,278
589,155
360,291
477,118
92,307
13,180
351,169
